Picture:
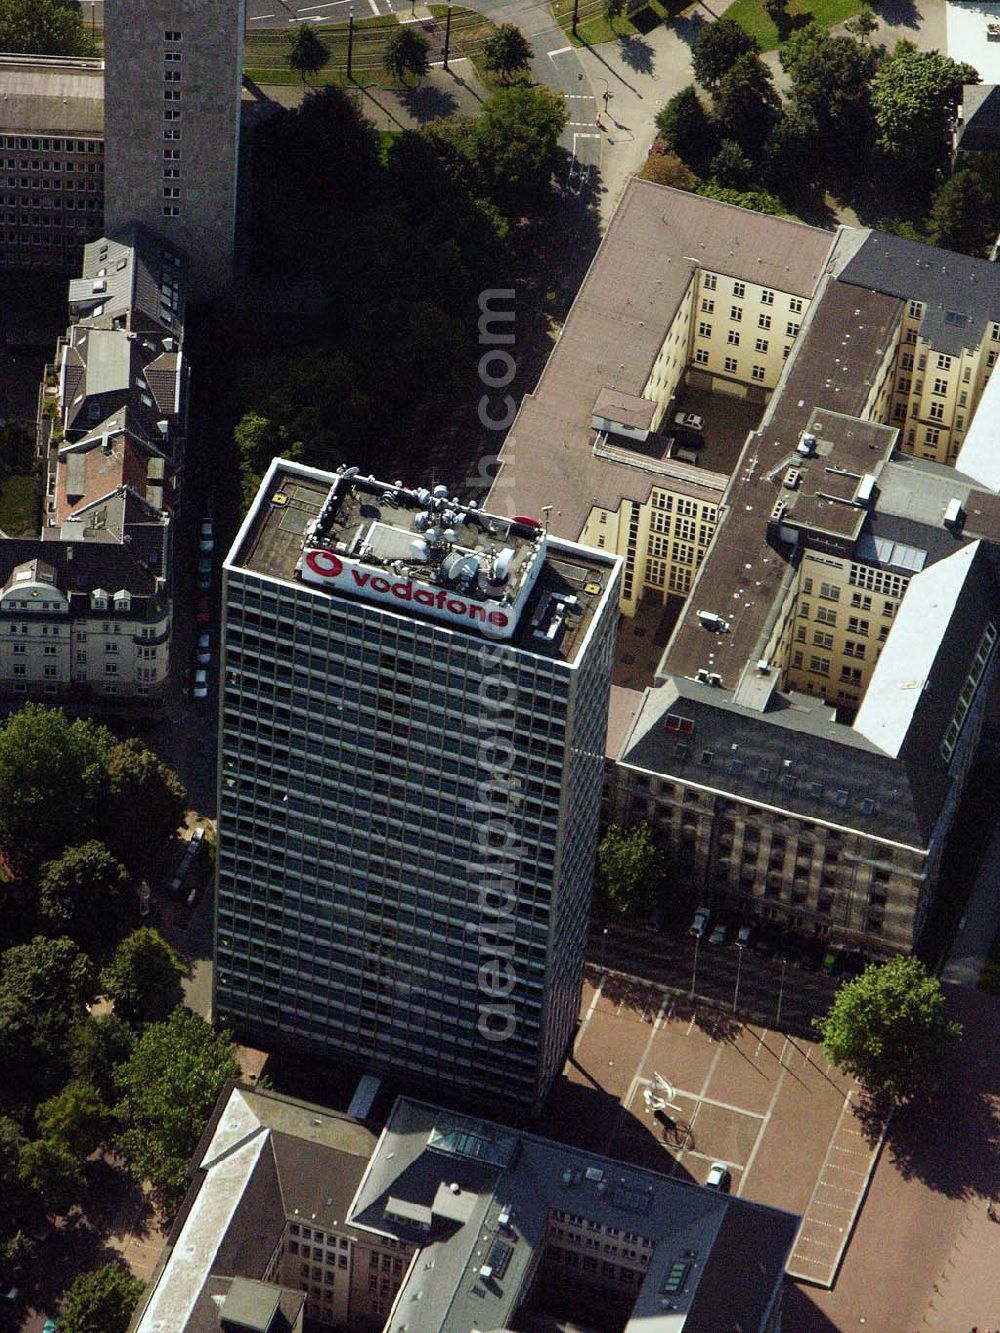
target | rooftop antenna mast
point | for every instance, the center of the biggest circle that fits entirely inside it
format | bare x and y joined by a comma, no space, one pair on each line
546,511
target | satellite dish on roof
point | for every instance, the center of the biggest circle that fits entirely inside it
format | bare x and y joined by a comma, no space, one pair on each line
420,549
502,564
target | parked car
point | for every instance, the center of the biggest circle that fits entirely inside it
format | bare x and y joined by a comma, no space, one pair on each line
186,864
199,684
699,923
689,420
204,574
718,1177
50,1326
744,937
206,538
720,934
204,651
203,610
8,1293
766,941
658,918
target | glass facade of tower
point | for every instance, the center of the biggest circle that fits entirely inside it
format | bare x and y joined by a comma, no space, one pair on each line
408,818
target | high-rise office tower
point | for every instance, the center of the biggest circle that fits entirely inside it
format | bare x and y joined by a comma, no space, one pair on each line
173,74
411,755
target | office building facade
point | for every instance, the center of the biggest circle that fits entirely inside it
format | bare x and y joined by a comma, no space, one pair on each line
175,70
51,160
413,716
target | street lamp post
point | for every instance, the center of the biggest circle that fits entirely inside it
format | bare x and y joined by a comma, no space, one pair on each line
447,34
694,965
781,992
739,965
604,948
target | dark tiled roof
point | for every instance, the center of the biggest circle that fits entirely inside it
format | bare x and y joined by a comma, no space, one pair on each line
80,566
960,294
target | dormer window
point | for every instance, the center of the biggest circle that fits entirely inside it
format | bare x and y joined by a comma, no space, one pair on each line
123,601
98,600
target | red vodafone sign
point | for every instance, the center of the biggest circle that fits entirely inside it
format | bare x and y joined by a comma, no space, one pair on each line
325,569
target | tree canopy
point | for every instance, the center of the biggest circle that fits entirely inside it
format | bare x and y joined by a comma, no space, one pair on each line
84,894
44,988
687,127
97,1045
507,51
406,52
963,214
747,104
145,803
914,94
143,975
101,1301
629,868
517,142
50,1170
167,1089
307,53
717,49
830,85
52,772
889,1028
44,27
77,1117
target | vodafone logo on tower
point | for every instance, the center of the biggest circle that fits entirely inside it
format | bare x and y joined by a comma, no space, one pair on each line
322,567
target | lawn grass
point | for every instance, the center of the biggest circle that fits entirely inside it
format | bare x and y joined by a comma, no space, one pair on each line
469,32
18,508
752,17
594,27
266,52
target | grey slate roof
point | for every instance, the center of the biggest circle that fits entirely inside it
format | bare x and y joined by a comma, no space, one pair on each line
980,132
137,270
533,1176
960,294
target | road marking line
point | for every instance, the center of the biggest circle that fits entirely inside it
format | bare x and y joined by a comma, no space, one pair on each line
452,60
636,1078
258,17
710,1101
561,51
589,1014
766,1119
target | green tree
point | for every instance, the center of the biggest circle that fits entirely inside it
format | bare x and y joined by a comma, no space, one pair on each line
889,1029
830,80
914,94
719,46
44,27
101,1301
84,895
143,975
168,1087
44,987
307,53
665,168
52,775
517,143
77,1116
145,804
629,868
758,201
863,24
963,215
747,105
52,1172
406,52
507,51
612,11
687,127
97,1045
731,167
12,1143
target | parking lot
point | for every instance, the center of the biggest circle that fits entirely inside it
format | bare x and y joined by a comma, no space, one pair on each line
765,1104
727,423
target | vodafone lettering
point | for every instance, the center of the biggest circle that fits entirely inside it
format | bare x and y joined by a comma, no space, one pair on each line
326,569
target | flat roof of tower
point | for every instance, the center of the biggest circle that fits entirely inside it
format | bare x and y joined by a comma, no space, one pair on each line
424,555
